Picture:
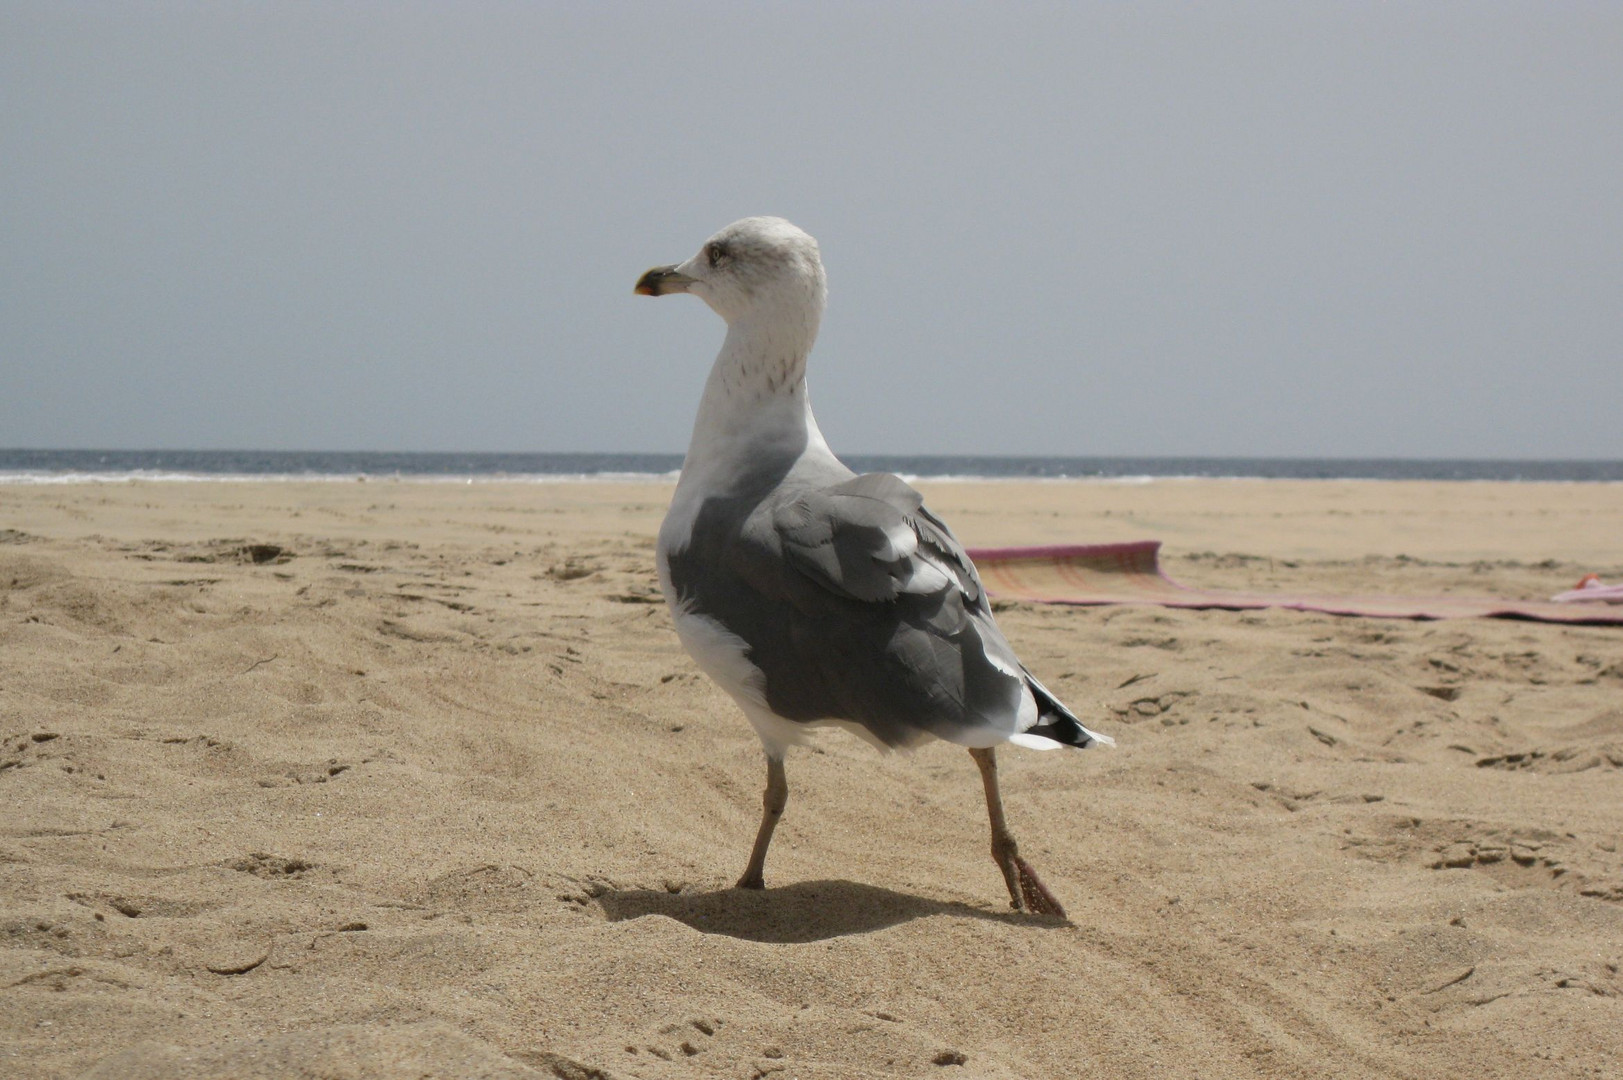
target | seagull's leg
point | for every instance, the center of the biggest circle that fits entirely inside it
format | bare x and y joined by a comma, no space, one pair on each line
1025,889
772,803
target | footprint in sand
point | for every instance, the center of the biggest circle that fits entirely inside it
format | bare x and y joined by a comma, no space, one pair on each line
678,1041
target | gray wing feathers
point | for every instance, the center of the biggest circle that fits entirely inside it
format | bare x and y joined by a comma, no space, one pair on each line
919,656
856,603
871,539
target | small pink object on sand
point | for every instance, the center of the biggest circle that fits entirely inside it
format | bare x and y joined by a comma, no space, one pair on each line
1591,590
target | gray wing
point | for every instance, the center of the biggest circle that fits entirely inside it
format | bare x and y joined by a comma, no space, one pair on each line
872,539
882,619
856,603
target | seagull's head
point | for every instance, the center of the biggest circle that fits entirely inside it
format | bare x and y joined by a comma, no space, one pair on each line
755,264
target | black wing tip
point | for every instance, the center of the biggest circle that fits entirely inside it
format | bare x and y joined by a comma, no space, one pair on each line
1068,731
1055,721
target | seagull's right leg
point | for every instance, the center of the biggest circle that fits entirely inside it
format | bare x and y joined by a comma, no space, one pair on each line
1026,890
772,803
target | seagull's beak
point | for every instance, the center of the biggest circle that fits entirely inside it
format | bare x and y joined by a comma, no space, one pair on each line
662,280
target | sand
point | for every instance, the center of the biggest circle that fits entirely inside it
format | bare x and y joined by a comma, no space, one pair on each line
413,779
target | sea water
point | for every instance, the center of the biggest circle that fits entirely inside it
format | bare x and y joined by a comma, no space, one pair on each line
79,466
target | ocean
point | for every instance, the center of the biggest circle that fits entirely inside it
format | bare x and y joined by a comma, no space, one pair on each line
79,466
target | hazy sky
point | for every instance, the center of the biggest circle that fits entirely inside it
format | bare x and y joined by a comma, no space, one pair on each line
1222,229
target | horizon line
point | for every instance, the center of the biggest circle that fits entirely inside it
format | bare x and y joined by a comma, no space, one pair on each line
1006,456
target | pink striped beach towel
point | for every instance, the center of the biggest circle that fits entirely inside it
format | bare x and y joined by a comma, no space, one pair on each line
1131,573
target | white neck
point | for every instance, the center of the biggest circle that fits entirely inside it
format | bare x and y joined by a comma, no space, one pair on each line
755,400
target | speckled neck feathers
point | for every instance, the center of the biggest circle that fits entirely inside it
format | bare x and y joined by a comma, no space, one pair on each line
756,394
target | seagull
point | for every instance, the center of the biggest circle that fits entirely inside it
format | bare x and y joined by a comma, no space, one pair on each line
814,596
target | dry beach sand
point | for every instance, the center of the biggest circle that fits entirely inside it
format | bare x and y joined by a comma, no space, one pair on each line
432,791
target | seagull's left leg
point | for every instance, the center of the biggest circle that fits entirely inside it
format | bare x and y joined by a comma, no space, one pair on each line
1025,889
772,804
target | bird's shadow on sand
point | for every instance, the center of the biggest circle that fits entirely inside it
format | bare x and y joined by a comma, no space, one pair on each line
798,913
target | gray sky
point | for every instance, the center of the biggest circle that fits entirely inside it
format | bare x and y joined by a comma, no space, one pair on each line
1305,229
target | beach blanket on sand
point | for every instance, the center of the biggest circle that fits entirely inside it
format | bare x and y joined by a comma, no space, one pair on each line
1131,573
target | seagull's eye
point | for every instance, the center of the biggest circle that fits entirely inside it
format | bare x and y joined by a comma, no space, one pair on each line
714,253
